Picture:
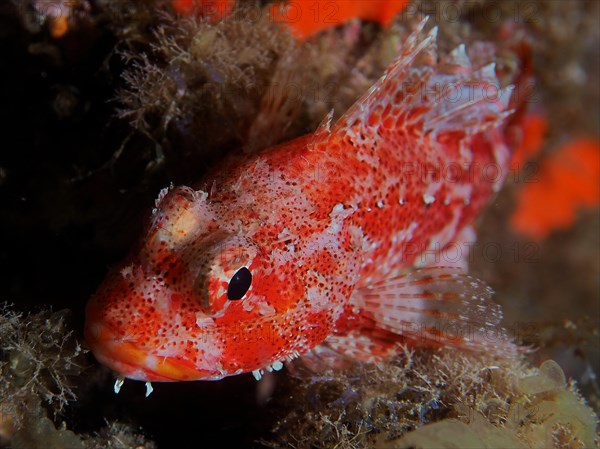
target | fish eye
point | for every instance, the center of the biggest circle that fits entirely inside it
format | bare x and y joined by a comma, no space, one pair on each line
239,284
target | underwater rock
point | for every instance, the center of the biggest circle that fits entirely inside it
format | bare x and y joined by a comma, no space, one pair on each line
41,432
431,400
452,434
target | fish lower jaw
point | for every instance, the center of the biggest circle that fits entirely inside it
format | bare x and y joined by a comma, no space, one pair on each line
127,370
130,361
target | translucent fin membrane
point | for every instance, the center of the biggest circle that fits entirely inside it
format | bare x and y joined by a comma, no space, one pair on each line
441,306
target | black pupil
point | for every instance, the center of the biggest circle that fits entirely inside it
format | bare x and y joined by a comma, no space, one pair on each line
239,284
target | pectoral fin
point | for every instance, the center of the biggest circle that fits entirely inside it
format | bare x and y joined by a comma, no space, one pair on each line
430,307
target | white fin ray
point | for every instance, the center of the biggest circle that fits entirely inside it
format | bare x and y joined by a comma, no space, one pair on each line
472,117
459,58
323,131
440,289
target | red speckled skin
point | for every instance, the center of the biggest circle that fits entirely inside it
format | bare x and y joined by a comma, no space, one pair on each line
313,220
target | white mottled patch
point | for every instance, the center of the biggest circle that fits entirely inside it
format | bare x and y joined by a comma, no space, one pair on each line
294,197
502,156
167,351
248,305
281,258
433,187
368,246
204,322
462,191
428,199
186,224
356,234
284,234
211,354
151,362
265,309
221,312
260,304
157,292
317,300
449,231
178,320
406,234
315,294
259,170
338,214
364,156
339,207
320,241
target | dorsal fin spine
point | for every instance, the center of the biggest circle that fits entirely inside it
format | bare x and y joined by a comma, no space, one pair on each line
432,96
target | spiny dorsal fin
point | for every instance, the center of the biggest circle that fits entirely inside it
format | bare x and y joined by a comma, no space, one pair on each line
324,128
418,90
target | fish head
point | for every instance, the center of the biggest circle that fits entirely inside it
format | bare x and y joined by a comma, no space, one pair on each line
195,300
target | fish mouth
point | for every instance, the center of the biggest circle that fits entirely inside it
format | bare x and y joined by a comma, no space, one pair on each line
125,357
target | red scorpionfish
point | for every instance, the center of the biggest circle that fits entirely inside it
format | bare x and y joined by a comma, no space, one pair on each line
321,247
